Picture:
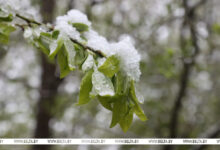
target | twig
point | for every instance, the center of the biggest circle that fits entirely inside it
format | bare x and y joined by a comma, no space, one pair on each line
27,19
96,2
85,47
184,79
98,52
189,17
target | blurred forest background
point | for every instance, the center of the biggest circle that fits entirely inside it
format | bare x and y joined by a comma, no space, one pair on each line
180,83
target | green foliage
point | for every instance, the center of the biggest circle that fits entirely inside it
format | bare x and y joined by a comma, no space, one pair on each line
5,30
55,34
106,83
106,101
63,63
121,83
165,62
81,55
137,109
44,42
70,51
216,28
80,27
85,88
5,16
119,110
103,85
55,46
110,66
126,121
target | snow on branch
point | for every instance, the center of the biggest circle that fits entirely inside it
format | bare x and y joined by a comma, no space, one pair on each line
111,68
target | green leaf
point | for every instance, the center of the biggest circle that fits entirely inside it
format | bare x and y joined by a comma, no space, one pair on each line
85,88
63,63
137,109
106,101
102,84
3,38
5,31
88,63
81,27
110,66
45,41
55,34
55,46
216,28
126,121
81,55
44,49
70,50
46,34
119,110
121,83
5,16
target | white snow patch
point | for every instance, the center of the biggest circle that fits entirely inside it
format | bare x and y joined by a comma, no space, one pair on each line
23,7
75,16
98,42
124,49
129,57
65,28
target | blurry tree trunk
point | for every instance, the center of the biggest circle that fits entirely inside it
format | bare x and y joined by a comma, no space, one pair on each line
190,22
49,85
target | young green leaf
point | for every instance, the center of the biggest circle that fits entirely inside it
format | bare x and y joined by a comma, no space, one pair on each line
3,38
121,83
216,28
42,47
85,88
63,63
55,46
80,27
126,121
137,109
46,34
81,55
5,31
5,16
55,34
70,50
102,84
119,110
44,42
110,66
107,101
88,64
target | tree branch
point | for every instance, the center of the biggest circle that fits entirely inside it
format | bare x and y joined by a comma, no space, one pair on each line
27,19
187,67
85,47
189,20
96,2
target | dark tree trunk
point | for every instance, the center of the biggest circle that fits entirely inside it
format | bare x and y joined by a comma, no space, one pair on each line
49,86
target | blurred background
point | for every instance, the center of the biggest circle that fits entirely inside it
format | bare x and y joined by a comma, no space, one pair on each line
180,83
